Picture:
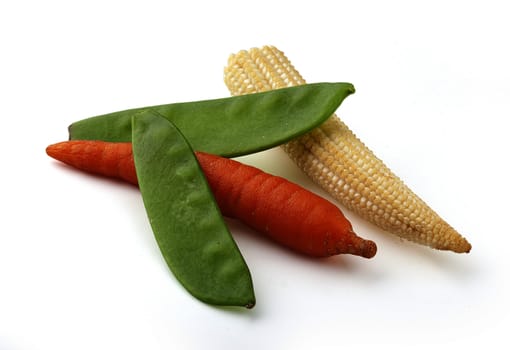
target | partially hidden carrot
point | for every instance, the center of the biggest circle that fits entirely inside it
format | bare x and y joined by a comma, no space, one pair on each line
111,159
282,210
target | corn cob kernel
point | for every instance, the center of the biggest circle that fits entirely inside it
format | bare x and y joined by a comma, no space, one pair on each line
340,163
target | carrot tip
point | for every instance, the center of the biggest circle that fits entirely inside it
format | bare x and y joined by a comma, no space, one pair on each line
368,249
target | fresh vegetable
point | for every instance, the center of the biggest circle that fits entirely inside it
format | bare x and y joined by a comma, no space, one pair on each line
284,211
97,157
186,221
341,164
272,205
231,126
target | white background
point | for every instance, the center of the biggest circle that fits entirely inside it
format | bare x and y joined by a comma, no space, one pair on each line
79,267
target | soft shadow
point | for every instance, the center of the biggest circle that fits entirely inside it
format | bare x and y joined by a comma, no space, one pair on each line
239,311
239,230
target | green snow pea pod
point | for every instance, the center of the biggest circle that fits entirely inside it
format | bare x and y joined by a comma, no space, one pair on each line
185,219
231,126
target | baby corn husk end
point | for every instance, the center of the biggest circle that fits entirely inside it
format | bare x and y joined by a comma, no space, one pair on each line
334,158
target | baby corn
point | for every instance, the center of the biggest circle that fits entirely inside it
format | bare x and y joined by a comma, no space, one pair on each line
341,164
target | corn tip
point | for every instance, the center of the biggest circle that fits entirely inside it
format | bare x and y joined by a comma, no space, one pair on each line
463,247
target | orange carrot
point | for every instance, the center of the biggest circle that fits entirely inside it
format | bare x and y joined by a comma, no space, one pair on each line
282,210
112,159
